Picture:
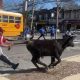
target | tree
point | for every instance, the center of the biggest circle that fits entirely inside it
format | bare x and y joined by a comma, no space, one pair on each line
13,5
70,5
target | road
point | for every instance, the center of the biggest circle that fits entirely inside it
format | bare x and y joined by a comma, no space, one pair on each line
20,54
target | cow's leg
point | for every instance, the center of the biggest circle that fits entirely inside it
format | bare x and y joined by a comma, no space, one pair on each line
59,60
39,62
57,56
34,61
52,62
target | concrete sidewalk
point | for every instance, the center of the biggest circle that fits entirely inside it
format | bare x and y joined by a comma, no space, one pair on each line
75,59
73,77
3,78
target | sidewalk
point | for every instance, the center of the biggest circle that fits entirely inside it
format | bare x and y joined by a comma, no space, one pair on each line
73,77
75,59
3,78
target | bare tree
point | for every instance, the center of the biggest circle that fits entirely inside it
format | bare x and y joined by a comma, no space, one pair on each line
13,5
70,5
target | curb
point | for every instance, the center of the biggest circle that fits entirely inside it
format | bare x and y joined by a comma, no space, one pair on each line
72,77
75,58
3,78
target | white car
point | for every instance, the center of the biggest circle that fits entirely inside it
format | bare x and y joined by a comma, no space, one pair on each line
77,31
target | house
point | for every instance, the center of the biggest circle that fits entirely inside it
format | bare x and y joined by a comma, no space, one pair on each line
68,19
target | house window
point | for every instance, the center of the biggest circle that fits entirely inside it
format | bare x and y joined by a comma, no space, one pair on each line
40,17
74,14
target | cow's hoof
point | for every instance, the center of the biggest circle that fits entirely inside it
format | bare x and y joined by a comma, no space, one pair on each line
51,67
38,68
46,68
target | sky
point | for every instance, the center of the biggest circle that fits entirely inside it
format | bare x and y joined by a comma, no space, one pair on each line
11,3
14,1
78,2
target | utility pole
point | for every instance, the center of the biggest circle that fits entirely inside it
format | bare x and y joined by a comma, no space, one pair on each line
57,17
33,5
25,12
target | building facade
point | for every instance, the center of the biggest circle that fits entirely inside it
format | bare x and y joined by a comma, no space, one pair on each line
68,19
72,19
46,17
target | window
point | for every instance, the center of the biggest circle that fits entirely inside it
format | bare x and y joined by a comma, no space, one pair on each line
74,14
17,20
11,19
45,17
5,18
40,17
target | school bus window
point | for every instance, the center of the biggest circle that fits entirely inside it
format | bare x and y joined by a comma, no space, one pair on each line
5,18
17,20
0,18
11,19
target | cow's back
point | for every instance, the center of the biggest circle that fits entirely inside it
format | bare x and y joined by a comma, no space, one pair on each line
46,47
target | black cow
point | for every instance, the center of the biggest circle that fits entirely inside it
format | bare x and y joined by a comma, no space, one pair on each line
53,48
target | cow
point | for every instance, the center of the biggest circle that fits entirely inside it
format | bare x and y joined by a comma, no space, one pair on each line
52,48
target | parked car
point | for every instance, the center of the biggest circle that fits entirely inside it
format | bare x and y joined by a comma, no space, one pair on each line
77,31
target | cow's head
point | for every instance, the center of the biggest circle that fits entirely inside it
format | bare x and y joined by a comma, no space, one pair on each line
68,40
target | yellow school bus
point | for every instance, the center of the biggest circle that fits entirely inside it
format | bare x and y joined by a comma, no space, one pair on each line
11,22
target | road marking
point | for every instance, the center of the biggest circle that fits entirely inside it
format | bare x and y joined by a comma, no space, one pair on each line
72,77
